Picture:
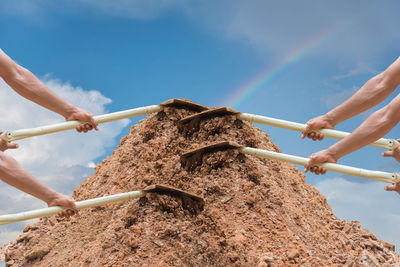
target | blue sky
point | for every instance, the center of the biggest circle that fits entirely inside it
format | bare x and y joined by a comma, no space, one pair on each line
296,60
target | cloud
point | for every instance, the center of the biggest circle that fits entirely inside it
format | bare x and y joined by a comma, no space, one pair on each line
376,209
361,68
281,26
275,28
336,99
60,160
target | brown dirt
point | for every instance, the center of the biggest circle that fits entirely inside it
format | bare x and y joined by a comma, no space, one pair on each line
257,212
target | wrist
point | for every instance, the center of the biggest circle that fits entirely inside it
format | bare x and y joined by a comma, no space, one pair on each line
69,111
333,153
50,196
330,119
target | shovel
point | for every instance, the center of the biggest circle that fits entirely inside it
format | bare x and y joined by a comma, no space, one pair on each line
158,189
194,157
69,125
193,120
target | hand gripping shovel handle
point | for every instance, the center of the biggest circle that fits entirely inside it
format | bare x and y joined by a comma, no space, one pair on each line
25,133
390,144
375,175
22,216
160,189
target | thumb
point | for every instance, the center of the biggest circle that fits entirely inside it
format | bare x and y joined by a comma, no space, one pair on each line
12,146
390,187
309,165
93,123
306,131
387,154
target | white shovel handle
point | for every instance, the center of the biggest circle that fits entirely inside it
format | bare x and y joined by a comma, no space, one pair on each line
22,216
376,175
68,125
390,144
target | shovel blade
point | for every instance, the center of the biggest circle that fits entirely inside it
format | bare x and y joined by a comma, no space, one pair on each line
184,103
172,191
209,113
194,157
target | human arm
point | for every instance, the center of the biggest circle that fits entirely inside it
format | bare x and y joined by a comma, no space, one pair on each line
373,128
30,87
372,93
13,174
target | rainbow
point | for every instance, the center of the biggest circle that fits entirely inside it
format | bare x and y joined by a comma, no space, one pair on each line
265,77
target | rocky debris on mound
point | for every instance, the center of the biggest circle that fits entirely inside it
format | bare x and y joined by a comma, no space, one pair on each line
257,212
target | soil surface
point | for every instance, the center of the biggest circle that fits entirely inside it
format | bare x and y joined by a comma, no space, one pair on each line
257,212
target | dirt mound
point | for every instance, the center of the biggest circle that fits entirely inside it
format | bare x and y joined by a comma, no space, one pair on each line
257,212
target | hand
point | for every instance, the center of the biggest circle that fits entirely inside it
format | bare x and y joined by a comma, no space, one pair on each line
316,124
64,201
83,115
4,145
395,153
393,187
318,158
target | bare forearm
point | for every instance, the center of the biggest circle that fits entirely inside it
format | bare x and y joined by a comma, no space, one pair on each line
13,174
372,93
30,87
374,127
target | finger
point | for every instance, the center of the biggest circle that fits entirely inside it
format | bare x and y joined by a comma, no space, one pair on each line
74,208
322,170
315,170
308,166
12,145
88,127
312,169
79,128
388,154
305,133
390,187
93,123
61,213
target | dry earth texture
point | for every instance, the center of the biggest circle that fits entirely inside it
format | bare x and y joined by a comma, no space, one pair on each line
257,212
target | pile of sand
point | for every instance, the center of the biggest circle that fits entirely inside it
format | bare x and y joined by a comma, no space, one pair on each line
257,212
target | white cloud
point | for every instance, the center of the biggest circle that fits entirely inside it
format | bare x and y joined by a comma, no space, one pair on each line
91,165
335,99
60,160
376,209
276,28
359,69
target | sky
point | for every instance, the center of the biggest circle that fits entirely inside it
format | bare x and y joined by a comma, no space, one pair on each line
292,60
